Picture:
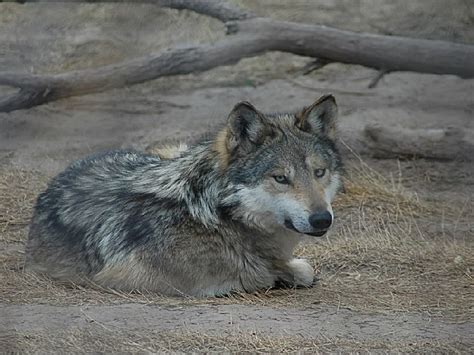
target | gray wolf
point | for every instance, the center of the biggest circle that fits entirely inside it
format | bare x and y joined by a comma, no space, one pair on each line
219,217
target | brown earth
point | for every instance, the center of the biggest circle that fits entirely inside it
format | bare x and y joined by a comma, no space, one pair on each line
395,274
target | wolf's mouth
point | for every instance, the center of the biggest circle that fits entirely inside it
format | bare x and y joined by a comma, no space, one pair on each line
318,233
289,224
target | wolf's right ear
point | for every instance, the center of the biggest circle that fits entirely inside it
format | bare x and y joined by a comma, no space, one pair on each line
247,127
320,117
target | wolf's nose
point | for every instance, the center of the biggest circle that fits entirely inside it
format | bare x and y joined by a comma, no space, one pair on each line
321,220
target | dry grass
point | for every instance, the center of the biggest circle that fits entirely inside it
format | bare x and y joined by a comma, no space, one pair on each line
18,191
384,266
378,258
101,339
367,190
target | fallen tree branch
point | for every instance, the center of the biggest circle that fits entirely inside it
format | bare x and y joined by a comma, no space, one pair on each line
176,62
439,144
252,36
24,98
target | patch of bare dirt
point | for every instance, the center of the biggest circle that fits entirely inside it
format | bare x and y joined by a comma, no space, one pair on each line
227,328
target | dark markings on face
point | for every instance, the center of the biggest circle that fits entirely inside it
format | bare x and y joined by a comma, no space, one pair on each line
284,151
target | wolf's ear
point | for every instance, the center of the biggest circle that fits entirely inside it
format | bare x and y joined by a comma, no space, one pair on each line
320,117
247,127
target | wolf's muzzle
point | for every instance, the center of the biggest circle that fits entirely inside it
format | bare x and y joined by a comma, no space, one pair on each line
319,221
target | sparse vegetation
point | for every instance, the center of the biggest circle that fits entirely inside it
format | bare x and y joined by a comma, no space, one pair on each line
105,340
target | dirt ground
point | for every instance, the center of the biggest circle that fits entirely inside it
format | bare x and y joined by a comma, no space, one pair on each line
395,273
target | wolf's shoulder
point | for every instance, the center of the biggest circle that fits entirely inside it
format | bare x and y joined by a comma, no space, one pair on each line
115,159
108,165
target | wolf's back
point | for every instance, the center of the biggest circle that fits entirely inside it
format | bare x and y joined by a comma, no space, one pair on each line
78,220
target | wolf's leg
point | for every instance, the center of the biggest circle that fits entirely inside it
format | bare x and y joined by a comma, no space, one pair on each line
303,273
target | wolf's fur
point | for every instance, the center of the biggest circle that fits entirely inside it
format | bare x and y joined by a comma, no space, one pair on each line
169,150
203,220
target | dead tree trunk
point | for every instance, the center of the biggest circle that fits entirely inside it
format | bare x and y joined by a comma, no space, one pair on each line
439,144
248,36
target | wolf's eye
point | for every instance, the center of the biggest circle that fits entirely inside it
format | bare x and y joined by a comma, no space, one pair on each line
281,179
319,173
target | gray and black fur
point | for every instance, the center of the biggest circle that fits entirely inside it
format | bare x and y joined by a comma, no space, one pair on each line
221,216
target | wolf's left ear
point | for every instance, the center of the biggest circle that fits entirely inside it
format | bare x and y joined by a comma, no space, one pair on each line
320,117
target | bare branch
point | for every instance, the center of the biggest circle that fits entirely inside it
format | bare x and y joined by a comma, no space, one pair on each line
217,9
25,98
253,37
391,53
174,62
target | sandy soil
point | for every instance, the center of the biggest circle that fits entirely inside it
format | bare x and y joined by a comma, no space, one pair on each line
395,273
316,323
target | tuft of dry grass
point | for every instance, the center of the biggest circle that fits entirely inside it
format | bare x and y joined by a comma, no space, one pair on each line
18,191
368,190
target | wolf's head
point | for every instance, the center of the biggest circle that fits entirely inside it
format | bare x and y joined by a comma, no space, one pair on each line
285,166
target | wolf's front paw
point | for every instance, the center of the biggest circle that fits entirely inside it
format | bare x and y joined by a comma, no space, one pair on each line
302,271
